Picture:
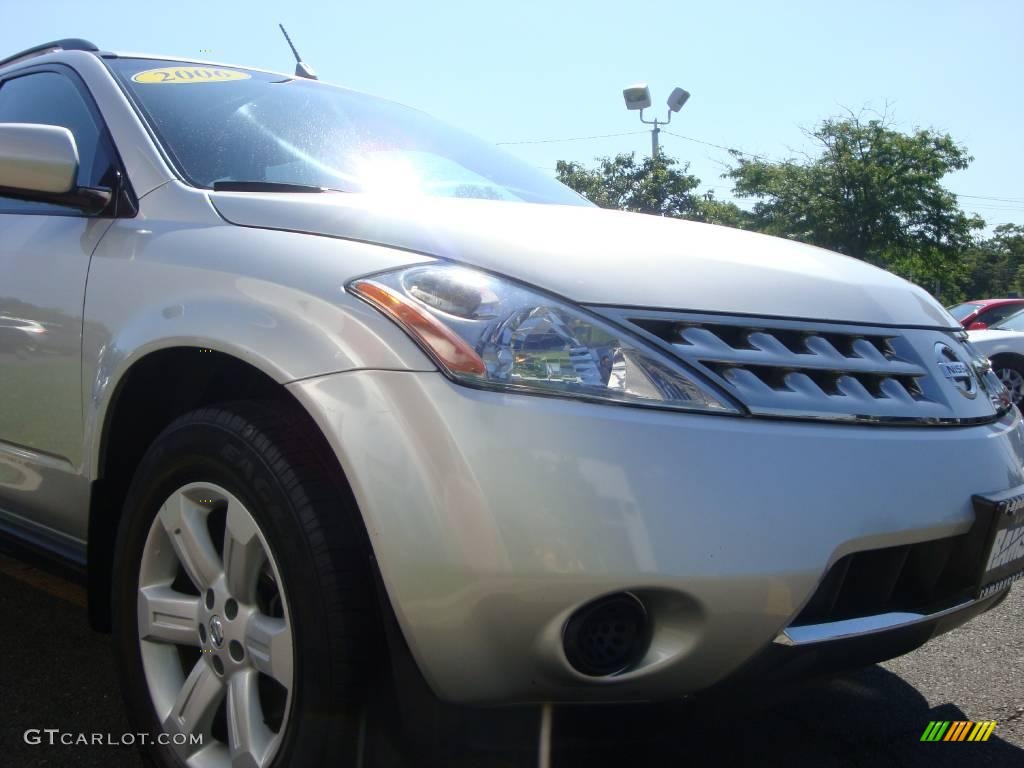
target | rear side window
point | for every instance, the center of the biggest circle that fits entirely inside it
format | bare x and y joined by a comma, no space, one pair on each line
50,98
1013,322
996,315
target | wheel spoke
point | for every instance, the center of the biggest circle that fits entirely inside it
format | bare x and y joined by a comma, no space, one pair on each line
243,553
217,705
268,642
248,735
1014,383
1017,387
196,703
185,523
168,616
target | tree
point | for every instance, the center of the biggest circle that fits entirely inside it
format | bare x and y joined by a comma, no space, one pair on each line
995,266
643,187
662,188
871,192
715,211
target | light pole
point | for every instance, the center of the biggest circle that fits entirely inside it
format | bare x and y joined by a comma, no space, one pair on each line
639,97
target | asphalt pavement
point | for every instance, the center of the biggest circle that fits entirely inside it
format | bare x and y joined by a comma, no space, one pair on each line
56,673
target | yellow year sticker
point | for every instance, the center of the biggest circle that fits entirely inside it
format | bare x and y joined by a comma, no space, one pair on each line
189,75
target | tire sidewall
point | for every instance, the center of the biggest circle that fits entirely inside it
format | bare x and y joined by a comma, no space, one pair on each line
208,453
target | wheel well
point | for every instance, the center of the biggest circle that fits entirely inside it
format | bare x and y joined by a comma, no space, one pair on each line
1007,357
155,391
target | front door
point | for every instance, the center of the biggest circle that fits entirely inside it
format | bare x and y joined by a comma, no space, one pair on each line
44,262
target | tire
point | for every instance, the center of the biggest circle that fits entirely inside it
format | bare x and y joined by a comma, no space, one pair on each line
1010,371
295,650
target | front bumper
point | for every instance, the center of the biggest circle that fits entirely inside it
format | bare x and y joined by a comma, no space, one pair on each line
493,517
803,652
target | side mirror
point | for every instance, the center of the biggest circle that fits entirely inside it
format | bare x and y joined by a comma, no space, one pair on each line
40,162
977,325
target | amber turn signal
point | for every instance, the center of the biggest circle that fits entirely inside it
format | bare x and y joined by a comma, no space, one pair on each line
450,349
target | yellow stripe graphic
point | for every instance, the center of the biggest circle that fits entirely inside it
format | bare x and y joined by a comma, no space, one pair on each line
988,731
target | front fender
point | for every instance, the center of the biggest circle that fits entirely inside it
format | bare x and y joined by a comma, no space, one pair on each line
178,275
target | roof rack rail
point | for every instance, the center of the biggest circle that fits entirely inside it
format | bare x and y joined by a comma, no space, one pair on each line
67,44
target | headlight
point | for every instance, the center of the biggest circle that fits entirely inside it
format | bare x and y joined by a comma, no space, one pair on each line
489,332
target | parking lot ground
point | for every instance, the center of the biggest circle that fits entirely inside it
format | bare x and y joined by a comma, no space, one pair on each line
56,673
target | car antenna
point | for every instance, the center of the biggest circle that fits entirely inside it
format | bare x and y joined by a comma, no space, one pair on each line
302,69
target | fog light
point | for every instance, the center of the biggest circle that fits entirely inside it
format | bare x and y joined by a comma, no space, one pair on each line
607,636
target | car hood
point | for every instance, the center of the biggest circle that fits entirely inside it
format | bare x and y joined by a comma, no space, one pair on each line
595,256
987,338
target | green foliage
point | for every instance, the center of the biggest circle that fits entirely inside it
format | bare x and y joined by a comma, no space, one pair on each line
645,186
871,192
866,190
714,211
641,186
995,266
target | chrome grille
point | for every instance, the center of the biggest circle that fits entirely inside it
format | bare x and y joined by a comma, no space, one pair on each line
819,370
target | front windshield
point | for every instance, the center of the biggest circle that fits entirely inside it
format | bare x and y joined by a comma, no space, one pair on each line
221,124
1014,322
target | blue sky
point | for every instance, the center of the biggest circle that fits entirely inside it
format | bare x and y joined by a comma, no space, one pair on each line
532,70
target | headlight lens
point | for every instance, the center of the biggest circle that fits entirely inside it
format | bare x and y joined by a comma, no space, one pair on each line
490,332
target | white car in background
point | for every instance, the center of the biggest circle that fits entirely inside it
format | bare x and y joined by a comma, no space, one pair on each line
1003,344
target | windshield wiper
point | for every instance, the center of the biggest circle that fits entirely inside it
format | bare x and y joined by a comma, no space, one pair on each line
265,186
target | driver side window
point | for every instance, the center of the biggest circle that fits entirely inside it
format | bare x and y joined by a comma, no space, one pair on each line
50,98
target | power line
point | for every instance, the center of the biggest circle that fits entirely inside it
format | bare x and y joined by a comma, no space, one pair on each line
993,208
570,138
627,133
997,199
735,150
716,146
762,157
958,194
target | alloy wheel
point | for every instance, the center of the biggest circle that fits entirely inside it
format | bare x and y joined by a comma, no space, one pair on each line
214,631
1013,381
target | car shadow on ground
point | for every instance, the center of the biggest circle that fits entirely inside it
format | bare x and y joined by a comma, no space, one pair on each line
870,717
56,673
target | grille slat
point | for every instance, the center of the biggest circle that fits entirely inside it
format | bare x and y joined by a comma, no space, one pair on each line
894,388
824,349
800,382
852,387
767,343
745,380
864,348
821,370
768,351
706,342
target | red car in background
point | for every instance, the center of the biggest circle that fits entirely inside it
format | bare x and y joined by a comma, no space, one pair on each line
985,313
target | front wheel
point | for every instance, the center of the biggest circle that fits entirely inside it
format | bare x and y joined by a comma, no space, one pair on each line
243,610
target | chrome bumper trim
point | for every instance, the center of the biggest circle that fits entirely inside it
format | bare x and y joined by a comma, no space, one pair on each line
810,634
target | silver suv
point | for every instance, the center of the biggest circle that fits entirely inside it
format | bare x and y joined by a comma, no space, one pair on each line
304,379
